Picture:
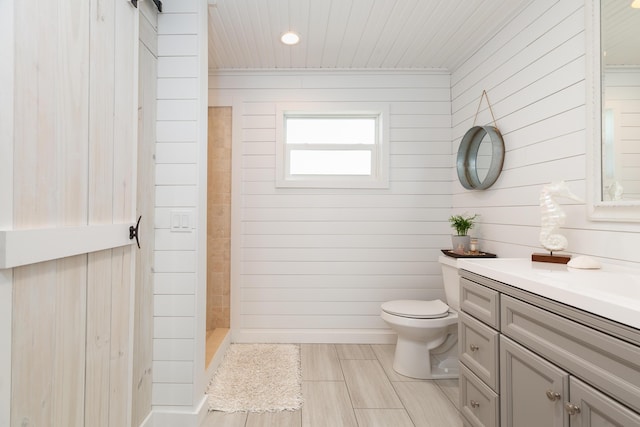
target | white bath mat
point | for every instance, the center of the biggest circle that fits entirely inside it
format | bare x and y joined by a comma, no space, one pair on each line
257,378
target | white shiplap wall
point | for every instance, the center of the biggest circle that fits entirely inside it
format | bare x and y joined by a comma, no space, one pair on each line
534,73
179,281
313,265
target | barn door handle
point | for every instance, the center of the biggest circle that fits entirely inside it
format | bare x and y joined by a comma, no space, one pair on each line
158,4
133,231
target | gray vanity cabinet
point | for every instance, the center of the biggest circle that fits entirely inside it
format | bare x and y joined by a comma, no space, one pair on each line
527,361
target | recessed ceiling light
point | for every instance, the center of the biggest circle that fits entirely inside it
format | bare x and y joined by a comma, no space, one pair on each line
290,38
635,4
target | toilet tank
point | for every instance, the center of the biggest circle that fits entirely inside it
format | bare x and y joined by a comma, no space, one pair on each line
451,281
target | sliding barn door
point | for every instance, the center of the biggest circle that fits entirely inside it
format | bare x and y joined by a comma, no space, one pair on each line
143,307
71,198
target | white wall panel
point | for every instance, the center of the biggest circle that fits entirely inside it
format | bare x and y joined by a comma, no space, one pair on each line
329,222
375,283
176,152
173,371
333,325
173,349
180,6
168,394
509,43
176,174
175,261
173,305
398,187
177,109
328,268
307,241
341,295
178,23
534,71
175,88
174,131
177,66
167,240
179,288
381,255
177,45
176,195
174,327
174,283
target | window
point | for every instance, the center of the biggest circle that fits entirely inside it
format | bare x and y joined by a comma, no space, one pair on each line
332,149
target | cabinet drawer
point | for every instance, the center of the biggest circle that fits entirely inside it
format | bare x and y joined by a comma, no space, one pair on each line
478,403
595,357
480,302
479,349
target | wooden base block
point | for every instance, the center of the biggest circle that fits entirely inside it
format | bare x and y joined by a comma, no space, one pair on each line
556,259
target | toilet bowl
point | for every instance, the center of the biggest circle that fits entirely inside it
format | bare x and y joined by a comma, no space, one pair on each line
427,330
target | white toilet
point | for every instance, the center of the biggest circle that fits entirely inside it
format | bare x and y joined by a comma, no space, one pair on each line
427,330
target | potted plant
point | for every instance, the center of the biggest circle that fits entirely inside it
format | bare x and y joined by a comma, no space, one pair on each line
462,224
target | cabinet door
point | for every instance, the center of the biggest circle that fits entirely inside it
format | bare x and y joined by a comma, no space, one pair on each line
532,390
590,408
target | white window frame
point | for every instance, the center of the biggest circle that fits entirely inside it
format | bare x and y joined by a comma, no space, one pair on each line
379,177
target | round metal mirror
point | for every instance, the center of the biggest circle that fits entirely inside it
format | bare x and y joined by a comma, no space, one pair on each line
480,157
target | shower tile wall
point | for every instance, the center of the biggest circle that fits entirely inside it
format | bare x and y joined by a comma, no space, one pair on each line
219,218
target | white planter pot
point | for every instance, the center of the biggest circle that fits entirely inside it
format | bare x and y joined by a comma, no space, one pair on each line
458,241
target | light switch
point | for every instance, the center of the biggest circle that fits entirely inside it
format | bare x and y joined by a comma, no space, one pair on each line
175,220
184,221
181,221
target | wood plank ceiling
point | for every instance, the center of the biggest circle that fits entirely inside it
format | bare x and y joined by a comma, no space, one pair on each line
353,34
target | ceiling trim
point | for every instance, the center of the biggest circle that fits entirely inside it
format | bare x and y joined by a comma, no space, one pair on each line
298,71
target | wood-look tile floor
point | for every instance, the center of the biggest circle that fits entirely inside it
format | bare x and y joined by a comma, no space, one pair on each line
354,385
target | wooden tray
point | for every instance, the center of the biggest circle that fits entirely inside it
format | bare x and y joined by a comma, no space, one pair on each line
452,254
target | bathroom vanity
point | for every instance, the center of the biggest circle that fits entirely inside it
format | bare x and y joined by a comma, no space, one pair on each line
547,345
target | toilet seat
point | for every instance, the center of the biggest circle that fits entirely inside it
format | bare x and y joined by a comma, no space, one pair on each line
416,309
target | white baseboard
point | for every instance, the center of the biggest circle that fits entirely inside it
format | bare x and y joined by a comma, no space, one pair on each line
173,417
201,413
316,336
148,422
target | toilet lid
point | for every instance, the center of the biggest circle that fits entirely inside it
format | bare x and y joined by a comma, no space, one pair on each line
416,309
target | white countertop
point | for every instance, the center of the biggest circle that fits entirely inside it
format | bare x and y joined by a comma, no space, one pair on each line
612,292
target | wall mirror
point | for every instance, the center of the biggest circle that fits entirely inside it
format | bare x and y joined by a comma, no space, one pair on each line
480,157
613,103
